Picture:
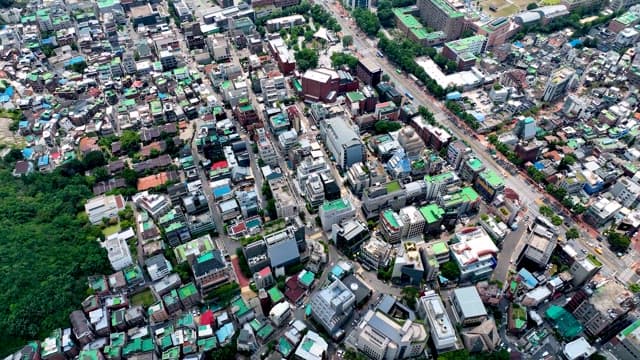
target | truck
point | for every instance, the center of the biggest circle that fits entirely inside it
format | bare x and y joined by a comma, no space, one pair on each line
379,54
413,77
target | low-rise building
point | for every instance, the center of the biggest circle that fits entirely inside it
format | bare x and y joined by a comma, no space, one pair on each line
443,333
474,254
332,306
467,306
104,207
334,212
381,337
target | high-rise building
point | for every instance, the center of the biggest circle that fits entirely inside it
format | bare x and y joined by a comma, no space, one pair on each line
343,142
558,84
441,15
525,128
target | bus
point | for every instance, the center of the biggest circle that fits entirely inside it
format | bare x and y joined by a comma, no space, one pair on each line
413,77
407,94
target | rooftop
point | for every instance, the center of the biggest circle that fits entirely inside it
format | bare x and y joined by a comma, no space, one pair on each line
492,178
393,186
336,205
447,8
432,213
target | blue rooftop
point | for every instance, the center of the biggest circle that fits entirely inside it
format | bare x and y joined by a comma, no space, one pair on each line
538,165
43,161
27,153
575,42
6,96
225,333
518,44
221,191
527,278
337,272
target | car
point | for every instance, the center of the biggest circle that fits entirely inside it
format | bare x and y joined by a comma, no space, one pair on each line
583,251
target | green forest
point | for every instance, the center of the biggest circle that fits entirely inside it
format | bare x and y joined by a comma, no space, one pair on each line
47,250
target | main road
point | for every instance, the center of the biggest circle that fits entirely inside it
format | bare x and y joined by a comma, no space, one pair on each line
529,195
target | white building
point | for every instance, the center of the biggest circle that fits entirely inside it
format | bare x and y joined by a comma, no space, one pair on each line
104,207
443,333
383,338
118,249
155,205
312,347
601,212
332,306
333,212
280,313
474,253
413,222
578,349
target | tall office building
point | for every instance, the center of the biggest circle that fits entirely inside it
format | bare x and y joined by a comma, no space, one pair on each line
441,15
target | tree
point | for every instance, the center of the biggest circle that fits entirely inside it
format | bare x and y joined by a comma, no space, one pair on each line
13,155
450,270
306,59
347,40
308,36
531,6
386,17
617,241
366,21
451,66
339,59
409,295
130,141
101,174
635,288
44,213
385,126
573,233
93,159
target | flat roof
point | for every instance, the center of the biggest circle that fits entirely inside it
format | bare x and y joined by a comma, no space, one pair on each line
470,302
432,213
492,178
336,205
447,8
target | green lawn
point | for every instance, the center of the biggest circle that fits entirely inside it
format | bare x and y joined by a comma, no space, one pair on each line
111,229
144,298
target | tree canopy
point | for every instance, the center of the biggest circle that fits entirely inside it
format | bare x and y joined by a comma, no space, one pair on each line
306,59
48,251
339,59
385,126
450,270
367,21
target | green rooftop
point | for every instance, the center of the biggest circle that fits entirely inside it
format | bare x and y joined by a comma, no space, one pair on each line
284,346
308,344
465,195
407,19
171,298
421,33
390,217
631,328
117,339
306,278
432,213
492,178
355,96
275,294
440,178
468,44
187,291
447,9
475,164
239,307
265,332
336,205
171,354
89,354
393,186
440,248
207,344
627,18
